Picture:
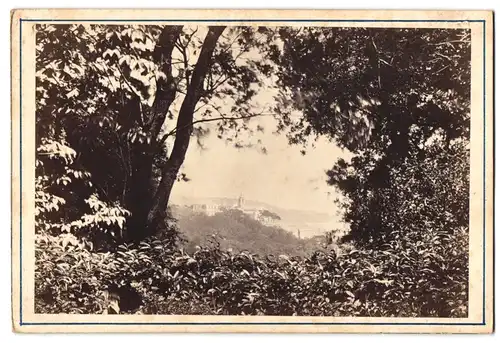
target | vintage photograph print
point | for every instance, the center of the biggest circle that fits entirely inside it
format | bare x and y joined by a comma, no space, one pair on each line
279,171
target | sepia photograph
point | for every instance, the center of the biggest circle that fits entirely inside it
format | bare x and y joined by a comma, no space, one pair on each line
211,169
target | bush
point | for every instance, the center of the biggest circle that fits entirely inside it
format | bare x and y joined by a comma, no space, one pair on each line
403,279
428,190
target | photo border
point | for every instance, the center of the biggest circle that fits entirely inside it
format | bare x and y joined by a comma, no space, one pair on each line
483,322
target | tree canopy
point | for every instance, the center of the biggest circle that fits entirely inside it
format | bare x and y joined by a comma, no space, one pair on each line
117,105
127,99
399,101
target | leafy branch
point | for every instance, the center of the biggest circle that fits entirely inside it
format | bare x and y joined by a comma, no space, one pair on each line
222,118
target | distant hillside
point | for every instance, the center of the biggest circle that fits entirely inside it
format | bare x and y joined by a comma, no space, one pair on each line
309,223
287,214
238,231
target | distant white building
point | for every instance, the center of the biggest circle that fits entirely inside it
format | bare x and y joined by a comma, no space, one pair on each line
256,214
208,209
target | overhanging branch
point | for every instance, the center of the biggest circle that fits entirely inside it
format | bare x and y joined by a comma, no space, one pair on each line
173,131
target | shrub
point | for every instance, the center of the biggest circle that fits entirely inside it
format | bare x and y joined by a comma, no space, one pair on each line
404,280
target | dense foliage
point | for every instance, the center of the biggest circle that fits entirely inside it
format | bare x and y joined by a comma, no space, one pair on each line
116,109
404,116
403,279
128,99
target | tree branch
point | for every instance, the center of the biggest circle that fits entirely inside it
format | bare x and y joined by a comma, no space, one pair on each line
184,127
183,50
222,118
167,89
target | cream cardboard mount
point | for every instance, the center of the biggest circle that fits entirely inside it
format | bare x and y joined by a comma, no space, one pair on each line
33,85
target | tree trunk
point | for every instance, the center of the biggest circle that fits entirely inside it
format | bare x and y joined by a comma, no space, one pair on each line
184,129
139,194
140,190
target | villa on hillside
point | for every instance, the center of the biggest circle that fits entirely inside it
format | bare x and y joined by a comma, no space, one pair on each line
208,209
260,214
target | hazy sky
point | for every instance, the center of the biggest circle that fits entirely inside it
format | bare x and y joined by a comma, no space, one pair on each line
283,177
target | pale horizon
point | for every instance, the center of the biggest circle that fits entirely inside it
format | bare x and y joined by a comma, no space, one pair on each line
281,177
